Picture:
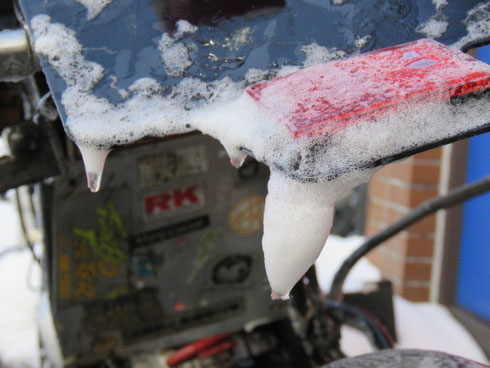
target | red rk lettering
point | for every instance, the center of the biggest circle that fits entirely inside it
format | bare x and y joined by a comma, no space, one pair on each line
159,201
180,196
166,201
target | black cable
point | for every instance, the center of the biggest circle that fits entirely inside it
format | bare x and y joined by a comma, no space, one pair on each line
450,199
382,328
355,317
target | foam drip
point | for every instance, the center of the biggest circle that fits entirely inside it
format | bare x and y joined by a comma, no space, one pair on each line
94,160
297,219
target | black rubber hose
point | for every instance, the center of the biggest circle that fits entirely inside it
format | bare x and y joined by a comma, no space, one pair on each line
450,199
350,315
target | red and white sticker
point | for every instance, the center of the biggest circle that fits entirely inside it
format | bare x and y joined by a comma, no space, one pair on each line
171,201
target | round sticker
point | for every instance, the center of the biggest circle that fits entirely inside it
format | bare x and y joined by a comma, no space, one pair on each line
247,216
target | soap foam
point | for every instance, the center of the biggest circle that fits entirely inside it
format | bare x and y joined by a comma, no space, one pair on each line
183,28
434,27
439,4
94,160
477,24
176,59
297,221
94,7
360,42
60,45
316,54
307,173
298,213
254,75
175,55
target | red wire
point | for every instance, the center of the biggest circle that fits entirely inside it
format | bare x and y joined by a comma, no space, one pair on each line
382,327
227,345
195,348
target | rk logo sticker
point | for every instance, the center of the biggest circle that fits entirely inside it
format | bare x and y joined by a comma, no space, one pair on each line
168,202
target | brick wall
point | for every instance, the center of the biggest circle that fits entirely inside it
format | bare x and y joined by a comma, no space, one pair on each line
407,258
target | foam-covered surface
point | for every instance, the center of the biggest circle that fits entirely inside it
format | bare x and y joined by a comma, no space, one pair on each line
350,113
327,124
124,37
175,78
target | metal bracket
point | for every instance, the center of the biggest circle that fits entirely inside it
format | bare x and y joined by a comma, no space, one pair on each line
32,157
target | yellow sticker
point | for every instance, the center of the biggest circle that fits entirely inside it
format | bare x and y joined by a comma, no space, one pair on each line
247,216
64,285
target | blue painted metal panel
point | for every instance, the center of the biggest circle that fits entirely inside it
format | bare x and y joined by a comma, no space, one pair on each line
275,33
473,290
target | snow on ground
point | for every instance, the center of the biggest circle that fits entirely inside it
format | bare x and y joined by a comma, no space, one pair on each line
419,325
19,278
335,251
425,326
431,327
